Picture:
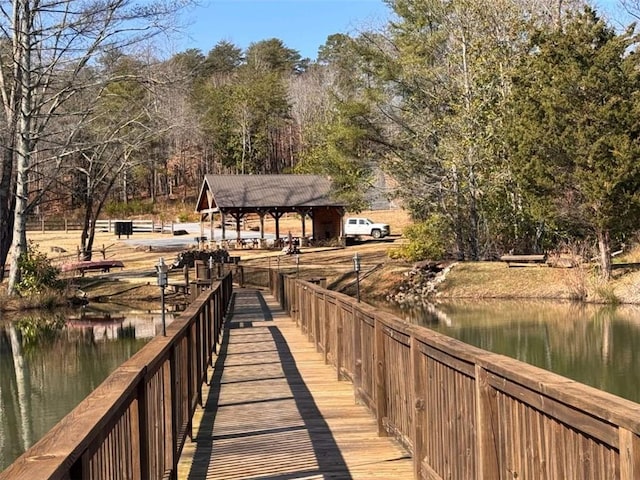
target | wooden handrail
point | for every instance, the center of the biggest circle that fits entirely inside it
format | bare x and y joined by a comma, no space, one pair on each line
463,412
134,425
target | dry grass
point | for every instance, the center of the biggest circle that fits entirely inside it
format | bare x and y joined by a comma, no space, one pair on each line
330,263
497,280
380,275
145,258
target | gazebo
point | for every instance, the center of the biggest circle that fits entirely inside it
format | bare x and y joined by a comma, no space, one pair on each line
236,196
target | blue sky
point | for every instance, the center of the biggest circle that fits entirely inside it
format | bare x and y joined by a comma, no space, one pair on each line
302,25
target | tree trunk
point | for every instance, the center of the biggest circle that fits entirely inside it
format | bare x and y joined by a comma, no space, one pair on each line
125,187
604,248
20,218
24,146
457,217
93,208
7,207
474,222
86,228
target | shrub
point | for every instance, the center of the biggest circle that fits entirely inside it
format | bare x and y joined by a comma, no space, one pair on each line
35,330
132,207
426,240
184,217
37,274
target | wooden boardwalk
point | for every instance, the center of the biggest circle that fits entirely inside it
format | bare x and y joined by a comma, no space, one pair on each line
276,411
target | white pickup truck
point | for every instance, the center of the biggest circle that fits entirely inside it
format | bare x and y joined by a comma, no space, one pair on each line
360,226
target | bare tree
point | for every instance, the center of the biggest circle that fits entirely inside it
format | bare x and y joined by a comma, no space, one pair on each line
51,50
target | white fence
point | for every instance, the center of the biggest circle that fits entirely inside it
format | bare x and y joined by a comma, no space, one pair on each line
138,226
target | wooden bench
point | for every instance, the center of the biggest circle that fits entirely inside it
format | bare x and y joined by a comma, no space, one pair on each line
84,266
625,265
524,260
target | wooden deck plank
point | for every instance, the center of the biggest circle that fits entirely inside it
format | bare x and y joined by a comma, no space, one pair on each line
280,412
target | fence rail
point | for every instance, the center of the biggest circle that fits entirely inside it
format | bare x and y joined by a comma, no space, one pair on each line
66,225
134,425
463,412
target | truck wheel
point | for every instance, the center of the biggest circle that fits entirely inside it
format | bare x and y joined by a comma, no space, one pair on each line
376,233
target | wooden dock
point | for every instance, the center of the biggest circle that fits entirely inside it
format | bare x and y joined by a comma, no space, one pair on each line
275,409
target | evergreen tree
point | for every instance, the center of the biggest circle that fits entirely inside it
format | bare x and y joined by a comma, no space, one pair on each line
575,130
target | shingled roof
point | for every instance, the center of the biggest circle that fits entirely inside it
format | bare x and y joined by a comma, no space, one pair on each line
250,192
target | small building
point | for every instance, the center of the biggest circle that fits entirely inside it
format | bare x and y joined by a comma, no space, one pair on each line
235,196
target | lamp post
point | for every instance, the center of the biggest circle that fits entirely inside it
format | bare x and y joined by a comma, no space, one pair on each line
297,264
356,268
162,269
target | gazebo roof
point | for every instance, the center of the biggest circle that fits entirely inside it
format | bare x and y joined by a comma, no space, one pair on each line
243,193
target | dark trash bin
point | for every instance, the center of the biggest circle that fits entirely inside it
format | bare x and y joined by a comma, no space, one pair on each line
123,228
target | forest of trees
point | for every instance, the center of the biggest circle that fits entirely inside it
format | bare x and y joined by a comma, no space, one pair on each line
506,125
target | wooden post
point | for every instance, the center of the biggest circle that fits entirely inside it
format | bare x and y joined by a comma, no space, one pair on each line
339,334
418,376
294,302
327,330
140,451
261,214
213,326
356,331
629,454
170,398
240,272
486,427
380,379
310,302
199,353
218,314
304,226
316,320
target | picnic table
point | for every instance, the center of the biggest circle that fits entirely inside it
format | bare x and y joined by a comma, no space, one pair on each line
523,260
86,265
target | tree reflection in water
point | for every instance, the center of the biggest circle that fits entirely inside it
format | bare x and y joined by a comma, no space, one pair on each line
48,365
593,344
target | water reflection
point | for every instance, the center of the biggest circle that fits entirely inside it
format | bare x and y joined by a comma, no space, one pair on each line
596,345
40,382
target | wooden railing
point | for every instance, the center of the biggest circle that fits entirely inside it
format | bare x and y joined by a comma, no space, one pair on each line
462,412
134,425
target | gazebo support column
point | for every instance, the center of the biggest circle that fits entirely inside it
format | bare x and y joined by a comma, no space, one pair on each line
211,230
224,231
313,225
238,217
261,213
276,216
303,215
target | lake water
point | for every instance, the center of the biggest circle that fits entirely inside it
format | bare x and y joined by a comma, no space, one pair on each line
593,344
596,345
40,383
